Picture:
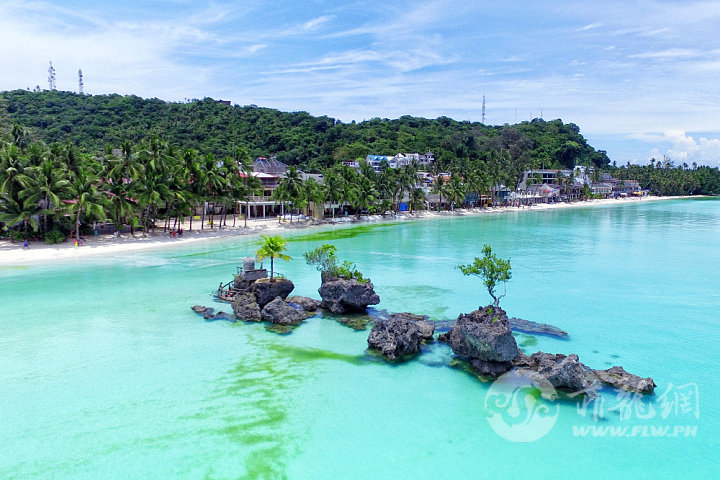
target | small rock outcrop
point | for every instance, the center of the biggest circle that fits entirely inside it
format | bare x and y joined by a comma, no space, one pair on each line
562,371
306,303
265,291
199,309
279,312
426,327
619,378
395,338
245,307
484,336
340,295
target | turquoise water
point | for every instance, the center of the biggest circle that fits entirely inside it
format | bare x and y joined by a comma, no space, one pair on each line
106,373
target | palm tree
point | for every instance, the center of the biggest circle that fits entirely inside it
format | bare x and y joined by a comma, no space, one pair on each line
272,248
46,184
313,193
455,191
151,191
120,206
12,164
26,212
292,186
439,188
333,188
87,198
417,199
366,195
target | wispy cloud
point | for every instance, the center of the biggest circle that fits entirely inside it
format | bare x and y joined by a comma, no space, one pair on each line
671,53
589,27
315,22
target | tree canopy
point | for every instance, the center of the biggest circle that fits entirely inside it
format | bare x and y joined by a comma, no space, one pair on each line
491,269
296,138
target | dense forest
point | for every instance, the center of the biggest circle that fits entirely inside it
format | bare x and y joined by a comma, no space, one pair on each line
69,160
93,122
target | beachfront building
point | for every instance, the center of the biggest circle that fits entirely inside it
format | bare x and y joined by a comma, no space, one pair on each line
270,172
622,188
602,189
542,176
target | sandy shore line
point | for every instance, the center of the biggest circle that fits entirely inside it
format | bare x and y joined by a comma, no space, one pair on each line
13,254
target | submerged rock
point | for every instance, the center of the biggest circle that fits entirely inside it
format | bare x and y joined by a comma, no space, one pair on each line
356,322
306,303
265,291
341,295
619,378
279,312
245,307
200,309
395,338
533,327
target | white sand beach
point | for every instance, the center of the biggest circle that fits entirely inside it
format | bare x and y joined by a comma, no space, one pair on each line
13,254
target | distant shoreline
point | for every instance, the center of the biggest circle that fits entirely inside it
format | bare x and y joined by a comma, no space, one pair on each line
13,254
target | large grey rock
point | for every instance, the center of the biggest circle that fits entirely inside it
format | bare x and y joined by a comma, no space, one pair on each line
483,335
340,295
619,378
395,338
279,312
306,303
245,307
265,291
426,327
560,370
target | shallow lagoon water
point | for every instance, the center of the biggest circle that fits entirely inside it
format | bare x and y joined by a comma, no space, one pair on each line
107,373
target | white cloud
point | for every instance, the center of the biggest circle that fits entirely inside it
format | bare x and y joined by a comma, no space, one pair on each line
589,27
672,53
685,148
315,22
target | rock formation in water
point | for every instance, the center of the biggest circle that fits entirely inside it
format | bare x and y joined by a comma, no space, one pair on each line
400,335
561,371
265,291
619,378
306,303
485,339
395,338
280,312
340,295
245,307
426,327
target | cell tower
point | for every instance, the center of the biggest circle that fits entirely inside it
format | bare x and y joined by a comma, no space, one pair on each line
483,111
51,77
80,82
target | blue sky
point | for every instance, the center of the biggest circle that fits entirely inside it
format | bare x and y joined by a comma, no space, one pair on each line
639,78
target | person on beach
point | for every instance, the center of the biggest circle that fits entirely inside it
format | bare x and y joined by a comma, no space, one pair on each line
26,244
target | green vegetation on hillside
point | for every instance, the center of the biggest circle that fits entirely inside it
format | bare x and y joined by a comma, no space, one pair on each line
96,121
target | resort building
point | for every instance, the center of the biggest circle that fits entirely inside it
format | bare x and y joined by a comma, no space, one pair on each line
396,161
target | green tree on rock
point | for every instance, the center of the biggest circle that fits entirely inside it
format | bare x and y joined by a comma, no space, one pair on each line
272,248
491,269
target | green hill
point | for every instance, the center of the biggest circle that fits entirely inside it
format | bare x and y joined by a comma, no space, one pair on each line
94,122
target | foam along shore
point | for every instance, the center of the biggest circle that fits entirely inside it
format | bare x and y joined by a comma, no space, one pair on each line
13,254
